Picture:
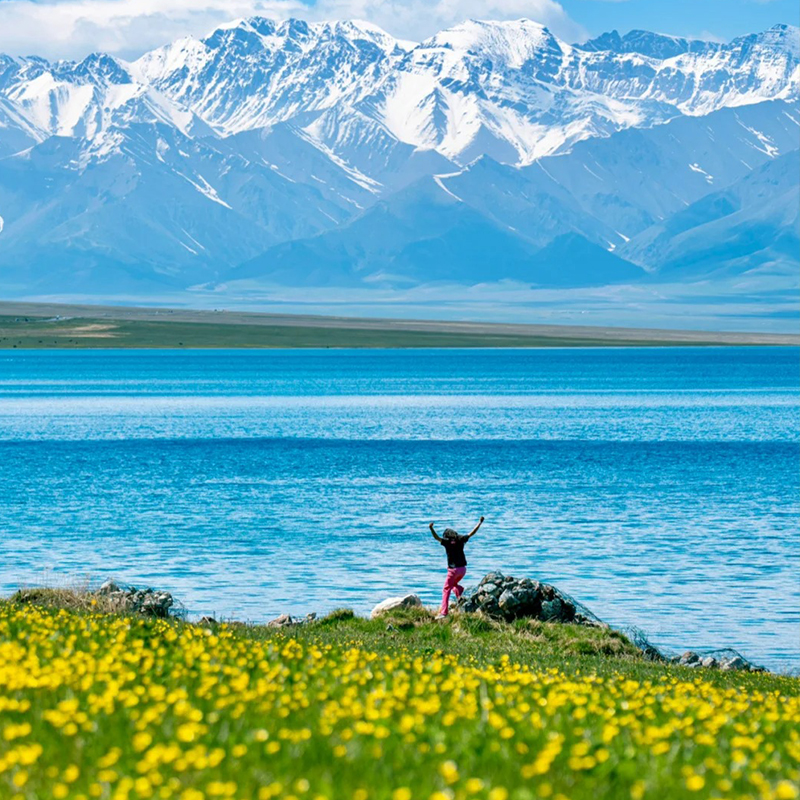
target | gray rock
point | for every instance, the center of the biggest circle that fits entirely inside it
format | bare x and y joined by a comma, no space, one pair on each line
548,591
469,604
722,659
288,621
563,610
734,663
147,602
392,603
207,620
283,621
108,587
490,588
552,610
520,602
491,608
153,604
508,600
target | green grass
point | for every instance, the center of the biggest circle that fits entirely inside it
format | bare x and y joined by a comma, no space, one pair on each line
474,637
79,600
110,706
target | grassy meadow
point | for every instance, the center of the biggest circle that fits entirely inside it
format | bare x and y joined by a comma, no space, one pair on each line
99,705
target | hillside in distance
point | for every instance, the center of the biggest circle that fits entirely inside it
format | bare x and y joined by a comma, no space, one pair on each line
305,155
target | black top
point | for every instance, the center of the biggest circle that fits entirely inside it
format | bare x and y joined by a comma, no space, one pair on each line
455,551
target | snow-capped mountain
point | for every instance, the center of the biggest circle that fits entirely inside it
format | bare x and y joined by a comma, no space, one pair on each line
508,89
256,72
308,153
595,199
87,99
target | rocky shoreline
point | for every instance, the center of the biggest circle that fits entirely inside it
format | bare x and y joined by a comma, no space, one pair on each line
497,596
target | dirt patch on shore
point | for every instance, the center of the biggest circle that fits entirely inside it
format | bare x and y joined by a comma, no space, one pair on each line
95,331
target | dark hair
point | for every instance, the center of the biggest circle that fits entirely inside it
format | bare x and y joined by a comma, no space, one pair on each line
449,533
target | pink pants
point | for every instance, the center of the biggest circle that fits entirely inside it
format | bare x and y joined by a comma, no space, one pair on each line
451,584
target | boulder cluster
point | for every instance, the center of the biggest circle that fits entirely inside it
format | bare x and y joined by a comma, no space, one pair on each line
503,597
148,602
727,660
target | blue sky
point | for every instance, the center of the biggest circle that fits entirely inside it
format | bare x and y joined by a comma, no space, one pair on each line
722,19
73,28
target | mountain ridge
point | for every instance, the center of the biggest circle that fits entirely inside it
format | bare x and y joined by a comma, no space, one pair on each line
206,154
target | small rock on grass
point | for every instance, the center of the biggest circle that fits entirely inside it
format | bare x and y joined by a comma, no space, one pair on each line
288,621
393,603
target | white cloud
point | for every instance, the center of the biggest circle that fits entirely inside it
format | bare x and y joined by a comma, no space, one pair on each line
418,19
73,28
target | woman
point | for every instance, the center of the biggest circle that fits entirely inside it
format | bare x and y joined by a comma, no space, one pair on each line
456,563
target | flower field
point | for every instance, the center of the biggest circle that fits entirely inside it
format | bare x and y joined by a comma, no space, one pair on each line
100,706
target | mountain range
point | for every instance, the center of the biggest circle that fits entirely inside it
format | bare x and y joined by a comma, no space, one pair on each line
332,154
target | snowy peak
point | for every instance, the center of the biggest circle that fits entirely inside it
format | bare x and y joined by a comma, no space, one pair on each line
360,31
86,99
292,34
97,68
511,43
781,38
510,89
507,89
257,72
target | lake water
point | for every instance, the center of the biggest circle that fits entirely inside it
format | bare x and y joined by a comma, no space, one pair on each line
660,487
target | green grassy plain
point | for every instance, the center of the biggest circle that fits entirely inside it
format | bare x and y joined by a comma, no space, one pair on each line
82,333
26,325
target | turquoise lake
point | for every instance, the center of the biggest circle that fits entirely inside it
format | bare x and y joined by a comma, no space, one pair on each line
660,487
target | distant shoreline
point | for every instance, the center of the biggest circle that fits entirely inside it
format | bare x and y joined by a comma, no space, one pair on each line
74,327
